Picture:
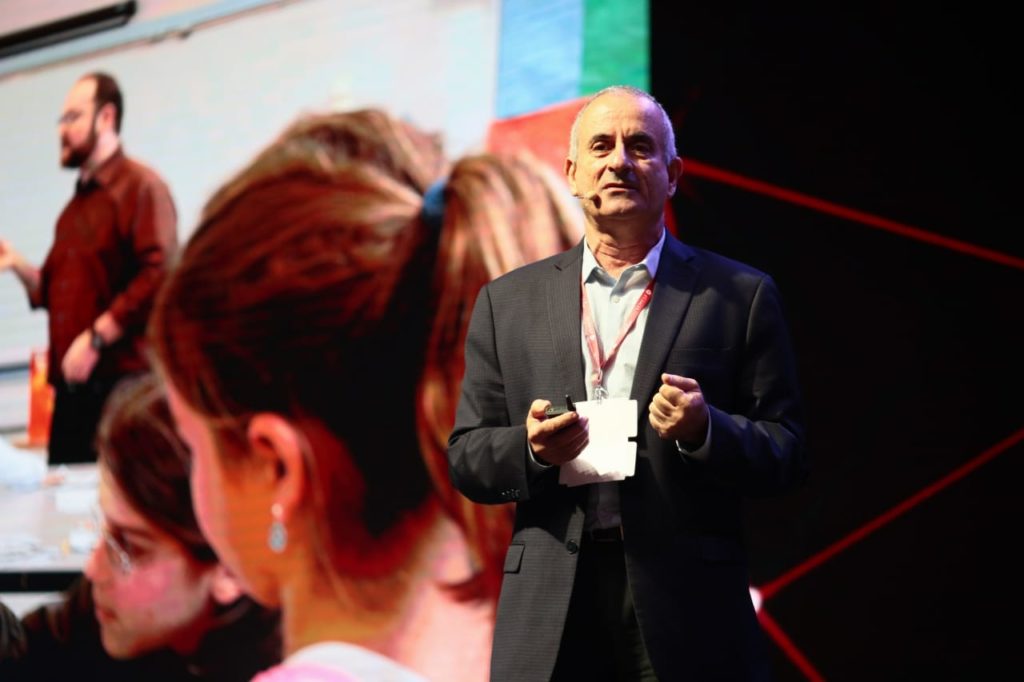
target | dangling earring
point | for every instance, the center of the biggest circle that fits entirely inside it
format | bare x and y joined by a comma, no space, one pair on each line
277,539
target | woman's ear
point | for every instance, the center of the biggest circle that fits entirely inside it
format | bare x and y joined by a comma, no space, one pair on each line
224,587
280,454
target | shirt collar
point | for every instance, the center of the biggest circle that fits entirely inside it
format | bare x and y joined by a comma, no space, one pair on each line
650,261
103,175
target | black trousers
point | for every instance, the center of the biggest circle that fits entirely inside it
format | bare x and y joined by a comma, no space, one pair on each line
76,415
601,640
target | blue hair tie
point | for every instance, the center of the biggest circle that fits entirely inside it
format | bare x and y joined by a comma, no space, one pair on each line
433,205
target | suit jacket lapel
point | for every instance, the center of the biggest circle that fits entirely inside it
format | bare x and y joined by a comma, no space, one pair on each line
563,297
677,273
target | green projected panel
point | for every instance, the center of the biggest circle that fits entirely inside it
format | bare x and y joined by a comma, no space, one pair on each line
616,39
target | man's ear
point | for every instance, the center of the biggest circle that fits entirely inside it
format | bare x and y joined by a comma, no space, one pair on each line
570,175
224,587
279,449
675,171
107,115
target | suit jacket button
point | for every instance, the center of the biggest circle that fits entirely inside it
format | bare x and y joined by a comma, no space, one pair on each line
572,547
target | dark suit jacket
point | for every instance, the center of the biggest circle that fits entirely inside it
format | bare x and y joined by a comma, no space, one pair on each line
713,319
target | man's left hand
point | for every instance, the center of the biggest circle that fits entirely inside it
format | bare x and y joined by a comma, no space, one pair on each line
80,359
678,411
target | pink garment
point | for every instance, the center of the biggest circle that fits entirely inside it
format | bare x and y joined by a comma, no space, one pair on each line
303,672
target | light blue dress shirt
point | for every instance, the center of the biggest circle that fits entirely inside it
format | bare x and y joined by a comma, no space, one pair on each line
611,302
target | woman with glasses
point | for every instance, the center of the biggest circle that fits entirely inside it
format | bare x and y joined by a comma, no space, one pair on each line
155,603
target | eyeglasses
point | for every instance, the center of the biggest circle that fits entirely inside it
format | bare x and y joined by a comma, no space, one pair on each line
70,116
117,555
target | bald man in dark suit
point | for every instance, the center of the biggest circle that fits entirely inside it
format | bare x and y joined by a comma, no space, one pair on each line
640,575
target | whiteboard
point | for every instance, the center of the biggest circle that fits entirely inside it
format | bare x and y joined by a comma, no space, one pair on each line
198,107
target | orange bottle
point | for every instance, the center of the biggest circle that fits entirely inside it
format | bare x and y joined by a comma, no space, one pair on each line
40,403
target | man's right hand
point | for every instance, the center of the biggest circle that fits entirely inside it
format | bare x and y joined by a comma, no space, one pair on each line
10,259
555,440
7,255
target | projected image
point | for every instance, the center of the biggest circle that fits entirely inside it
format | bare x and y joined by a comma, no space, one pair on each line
339,189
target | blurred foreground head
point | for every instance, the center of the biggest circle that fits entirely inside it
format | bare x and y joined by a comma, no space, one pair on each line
318,290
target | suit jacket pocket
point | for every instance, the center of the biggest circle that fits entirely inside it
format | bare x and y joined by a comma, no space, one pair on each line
514,558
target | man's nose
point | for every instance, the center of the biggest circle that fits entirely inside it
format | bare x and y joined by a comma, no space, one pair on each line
619,159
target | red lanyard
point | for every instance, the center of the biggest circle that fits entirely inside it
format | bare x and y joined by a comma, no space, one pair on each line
590,332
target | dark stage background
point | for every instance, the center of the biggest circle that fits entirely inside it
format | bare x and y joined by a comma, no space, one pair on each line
897,558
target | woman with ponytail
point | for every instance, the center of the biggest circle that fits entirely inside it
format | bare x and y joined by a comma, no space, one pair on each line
311,340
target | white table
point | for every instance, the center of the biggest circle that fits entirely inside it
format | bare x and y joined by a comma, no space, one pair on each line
46,530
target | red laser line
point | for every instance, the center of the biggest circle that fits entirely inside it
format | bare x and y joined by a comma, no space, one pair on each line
699,169
788,648
821,557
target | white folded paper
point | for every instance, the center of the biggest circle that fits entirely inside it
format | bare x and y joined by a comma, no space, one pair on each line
610,455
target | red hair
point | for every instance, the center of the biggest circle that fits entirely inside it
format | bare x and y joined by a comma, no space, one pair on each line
312,288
